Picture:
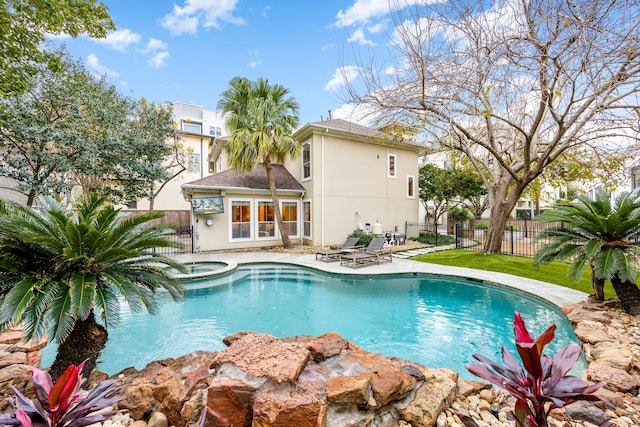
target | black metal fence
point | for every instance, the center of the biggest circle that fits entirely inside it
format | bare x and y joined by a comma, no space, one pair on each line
184,236
413,230
520,237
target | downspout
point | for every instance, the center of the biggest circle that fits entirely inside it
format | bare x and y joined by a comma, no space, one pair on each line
201,160
322,198
301,217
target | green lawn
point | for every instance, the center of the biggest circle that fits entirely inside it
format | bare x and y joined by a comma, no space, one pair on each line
555,272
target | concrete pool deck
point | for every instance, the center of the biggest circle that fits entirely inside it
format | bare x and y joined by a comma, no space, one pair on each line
554,294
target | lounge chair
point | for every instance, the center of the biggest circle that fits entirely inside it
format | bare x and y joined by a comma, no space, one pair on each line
350,245
372,255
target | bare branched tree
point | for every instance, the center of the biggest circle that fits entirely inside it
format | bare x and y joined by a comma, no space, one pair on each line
511,84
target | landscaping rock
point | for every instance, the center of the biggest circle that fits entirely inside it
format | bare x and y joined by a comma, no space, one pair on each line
581,314
158,419
432,397
609,353
586,411
229,403
299,408
345,389
262,355
615,379
592,332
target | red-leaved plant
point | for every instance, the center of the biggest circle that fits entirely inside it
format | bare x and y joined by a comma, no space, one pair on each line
61,404
542,385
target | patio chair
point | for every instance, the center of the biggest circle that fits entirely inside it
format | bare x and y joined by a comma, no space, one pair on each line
372,255
350,245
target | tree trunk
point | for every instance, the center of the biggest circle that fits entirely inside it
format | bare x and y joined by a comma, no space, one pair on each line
85,342
495,232
31,197
598,288
504,197
286,242
628,294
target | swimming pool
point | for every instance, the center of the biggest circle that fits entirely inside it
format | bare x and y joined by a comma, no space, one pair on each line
432,320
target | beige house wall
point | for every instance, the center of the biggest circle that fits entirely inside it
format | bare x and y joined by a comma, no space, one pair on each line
350,186
217,236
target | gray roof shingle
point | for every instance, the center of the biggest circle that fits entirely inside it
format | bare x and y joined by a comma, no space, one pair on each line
356,129
256,179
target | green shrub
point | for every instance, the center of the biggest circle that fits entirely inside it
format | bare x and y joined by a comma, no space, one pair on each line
523,213
429,238
365,238
481,225
459,214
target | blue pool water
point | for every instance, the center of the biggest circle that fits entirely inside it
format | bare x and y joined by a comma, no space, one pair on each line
435,321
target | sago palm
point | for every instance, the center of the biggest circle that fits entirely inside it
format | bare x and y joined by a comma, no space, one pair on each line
59,270
263,118
599,235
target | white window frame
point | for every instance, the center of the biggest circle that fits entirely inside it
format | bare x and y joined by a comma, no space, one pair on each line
191,123
257,221
251,222
395,165
297,203
413,187
215,131
306,178
194,162
302,213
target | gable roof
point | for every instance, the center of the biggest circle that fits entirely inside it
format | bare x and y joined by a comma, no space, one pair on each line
347,127
255,180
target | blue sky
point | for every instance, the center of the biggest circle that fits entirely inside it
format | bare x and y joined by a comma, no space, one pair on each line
188,50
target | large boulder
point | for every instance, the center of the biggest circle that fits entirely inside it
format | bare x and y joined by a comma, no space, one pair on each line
170,386
263,355
320,381
436,393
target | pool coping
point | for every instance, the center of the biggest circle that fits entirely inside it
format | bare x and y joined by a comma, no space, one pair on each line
554,294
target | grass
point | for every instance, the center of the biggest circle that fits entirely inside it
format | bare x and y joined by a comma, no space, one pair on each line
555,273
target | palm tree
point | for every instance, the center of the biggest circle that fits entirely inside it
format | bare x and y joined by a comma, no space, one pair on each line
60,269
263,118
600,235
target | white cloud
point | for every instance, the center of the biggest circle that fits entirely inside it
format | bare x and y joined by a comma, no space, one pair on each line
341,77
360,114
328,46
376,28
359,37
361,11
159,59
195,13
254,64
119,40
100,70
155,45
158,51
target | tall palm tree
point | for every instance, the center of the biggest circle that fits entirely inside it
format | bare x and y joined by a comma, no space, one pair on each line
263,118
600,235
59,270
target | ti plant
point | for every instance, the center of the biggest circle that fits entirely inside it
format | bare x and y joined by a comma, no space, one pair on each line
542,385
61,404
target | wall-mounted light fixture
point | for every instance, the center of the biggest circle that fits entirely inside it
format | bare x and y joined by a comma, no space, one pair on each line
208,221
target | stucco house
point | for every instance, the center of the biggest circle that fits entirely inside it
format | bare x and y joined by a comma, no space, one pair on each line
347,176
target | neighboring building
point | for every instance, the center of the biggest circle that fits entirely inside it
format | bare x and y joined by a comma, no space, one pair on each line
197,130
9,191
346,177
